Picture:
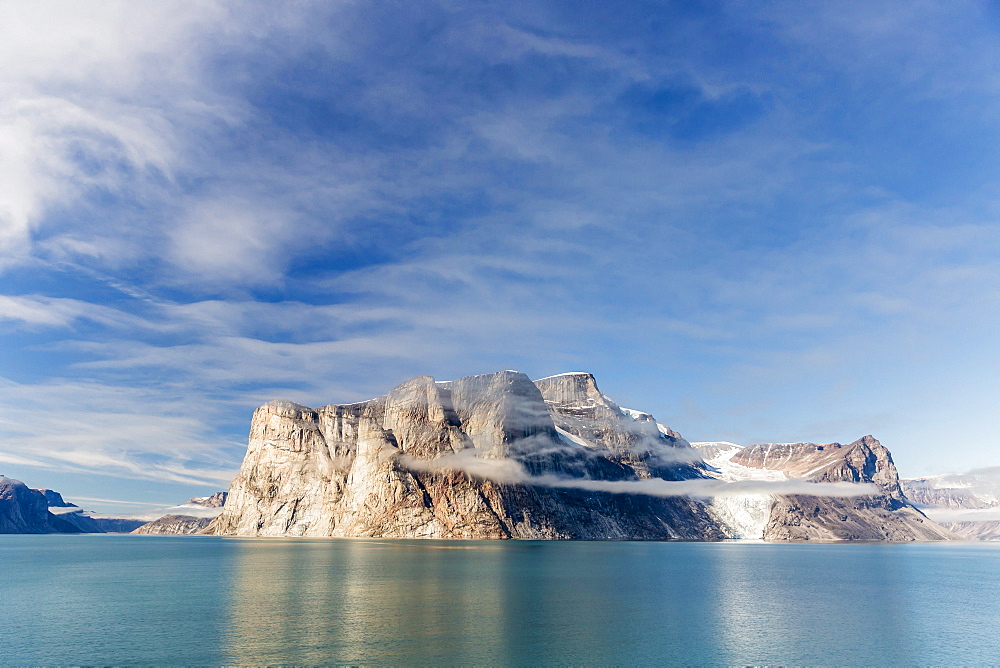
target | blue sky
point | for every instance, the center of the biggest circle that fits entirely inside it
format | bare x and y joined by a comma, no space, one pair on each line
758,221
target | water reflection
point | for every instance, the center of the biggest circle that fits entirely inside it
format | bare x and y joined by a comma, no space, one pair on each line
401,602
350,601
808,604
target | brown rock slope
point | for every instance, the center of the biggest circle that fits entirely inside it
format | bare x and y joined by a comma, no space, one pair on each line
886,516
456,460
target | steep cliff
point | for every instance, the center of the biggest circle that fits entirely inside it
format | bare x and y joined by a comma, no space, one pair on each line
460,459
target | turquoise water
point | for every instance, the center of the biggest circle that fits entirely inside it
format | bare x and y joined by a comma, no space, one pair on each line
104,599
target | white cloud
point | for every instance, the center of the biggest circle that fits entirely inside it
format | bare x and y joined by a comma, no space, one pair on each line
90,94
509,471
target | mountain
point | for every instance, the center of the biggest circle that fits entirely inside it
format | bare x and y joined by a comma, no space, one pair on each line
457,459
975,490
174,524
26,510
500,456
217,500
884,516
84,520
117,524
54,499
78,517
965,503
188,518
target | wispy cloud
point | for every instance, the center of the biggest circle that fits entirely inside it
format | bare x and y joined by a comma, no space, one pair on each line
510,471
781,216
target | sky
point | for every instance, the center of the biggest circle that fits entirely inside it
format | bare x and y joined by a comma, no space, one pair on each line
759,221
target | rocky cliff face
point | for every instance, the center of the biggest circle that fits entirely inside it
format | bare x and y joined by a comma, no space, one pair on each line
26,510
500,456
458,459
883,516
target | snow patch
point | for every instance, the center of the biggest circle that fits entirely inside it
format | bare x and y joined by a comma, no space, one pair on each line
638,416
568,373
574,439
746,516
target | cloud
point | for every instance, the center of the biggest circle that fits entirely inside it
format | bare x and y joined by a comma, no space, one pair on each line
509,471
96,428
322,202
962,514
87,104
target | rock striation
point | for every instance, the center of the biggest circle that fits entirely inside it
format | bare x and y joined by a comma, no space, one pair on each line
175,525
498,456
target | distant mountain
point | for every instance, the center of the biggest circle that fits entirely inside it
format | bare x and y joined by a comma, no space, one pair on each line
181,522
84,520
974,490
217,500
500,456
54,499
982,530
174,524
26,510
117,524
966,503
886,516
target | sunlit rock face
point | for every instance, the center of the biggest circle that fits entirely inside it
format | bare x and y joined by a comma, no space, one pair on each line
884,516
458,459
498,456
631,440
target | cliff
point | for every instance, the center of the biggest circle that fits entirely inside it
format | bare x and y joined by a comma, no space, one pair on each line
500,456
470,458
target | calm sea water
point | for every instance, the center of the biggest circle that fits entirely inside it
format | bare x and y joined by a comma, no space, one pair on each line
105,599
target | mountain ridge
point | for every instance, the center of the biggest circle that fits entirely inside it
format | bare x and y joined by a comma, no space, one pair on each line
500,456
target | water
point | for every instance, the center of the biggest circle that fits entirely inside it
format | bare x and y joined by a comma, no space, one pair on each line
104,599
